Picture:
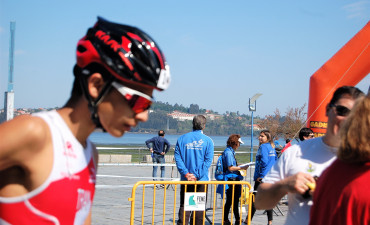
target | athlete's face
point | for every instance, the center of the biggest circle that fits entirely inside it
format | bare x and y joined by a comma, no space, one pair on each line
116,116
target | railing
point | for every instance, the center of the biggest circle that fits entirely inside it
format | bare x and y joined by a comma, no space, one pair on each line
139,153
173,196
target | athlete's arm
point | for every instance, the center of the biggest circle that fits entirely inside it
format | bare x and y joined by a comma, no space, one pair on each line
88,219
269,194
20,139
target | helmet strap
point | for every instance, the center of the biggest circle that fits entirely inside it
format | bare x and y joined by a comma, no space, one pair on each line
94,103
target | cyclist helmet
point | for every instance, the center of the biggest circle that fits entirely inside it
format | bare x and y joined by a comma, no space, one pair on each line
126,52
122,53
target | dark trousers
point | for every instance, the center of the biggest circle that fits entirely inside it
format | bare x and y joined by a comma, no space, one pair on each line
229,198
197,214
269,212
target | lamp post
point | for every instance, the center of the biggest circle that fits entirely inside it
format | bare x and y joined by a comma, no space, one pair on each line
252,108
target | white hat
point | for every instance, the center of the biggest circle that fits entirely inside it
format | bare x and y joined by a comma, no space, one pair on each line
240,141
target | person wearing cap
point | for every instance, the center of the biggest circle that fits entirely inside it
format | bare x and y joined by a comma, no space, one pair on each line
265,159
232,173
47,163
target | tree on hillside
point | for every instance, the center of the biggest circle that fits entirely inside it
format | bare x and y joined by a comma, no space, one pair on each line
294,120
194,109
273,123
286,126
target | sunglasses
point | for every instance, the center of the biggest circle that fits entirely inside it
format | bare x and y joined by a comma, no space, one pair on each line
341,110
137,100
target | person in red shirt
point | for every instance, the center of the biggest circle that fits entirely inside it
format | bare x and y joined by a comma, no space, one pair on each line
342,193
287,145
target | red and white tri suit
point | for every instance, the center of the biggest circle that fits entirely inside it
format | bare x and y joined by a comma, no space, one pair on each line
67,194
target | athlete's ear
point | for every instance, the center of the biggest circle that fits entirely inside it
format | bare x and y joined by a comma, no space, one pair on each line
95,83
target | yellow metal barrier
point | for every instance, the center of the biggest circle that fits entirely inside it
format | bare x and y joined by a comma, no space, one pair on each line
170,197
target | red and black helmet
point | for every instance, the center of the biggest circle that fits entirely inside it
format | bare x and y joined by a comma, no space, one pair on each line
126,52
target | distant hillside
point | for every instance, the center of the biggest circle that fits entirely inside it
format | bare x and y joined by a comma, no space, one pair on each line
217,124
159,118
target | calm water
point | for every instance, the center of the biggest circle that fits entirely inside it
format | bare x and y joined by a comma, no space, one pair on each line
139,139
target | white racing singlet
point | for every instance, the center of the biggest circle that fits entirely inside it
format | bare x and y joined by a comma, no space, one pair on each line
67,194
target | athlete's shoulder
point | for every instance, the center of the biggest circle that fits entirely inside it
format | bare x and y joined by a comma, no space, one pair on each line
26,127
23,136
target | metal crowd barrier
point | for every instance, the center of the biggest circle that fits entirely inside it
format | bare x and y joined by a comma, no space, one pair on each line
168,201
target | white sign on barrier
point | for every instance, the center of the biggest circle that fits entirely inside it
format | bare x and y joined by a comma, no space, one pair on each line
195,201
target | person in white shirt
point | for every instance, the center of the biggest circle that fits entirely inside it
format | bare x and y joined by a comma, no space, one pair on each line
297,166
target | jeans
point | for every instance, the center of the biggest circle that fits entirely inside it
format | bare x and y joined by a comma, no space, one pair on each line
158,158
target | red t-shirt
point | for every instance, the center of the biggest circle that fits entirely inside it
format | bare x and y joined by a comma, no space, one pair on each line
342,196
286,146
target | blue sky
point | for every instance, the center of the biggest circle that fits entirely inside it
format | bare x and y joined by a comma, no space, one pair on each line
220,52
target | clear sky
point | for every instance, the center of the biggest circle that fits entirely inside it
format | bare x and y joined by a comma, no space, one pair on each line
220,52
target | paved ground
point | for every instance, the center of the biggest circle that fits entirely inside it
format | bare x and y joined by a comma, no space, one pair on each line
114,187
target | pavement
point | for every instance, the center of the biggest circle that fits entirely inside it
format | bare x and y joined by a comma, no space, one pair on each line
114,188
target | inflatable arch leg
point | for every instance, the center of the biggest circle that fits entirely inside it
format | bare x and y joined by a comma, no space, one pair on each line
347,67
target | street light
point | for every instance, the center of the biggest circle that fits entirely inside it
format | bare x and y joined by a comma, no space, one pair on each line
252,108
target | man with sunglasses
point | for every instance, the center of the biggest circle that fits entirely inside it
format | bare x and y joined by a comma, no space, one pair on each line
295,170
47,163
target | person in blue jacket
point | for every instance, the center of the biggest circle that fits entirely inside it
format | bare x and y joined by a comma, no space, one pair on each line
158,146
265,159
232,173
193,156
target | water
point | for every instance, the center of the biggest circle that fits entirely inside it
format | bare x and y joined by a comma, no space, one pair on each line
140,138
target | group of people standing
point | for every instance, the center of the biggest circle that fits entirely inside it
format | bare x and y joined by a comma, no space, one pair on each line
298,169
117,69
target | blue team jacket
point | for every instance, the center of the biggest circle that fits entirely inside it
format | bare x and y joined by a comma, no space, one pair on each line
265,159
228,158
194,154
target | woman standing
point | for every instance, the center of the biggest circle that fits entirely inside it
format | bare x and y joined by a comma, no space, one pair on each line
265,159
232,174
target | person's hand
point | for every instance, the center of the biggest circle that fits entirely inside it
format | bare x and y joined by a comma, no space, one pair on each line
163,153
244,167
190,177
259,179
151,150
298,182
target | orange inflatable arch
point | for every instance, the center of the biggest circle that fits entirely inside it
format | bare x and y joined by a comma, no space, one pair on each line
347,67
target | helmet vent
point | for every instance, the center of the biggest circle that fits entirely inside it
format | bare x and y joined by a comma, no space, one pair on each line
81,48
